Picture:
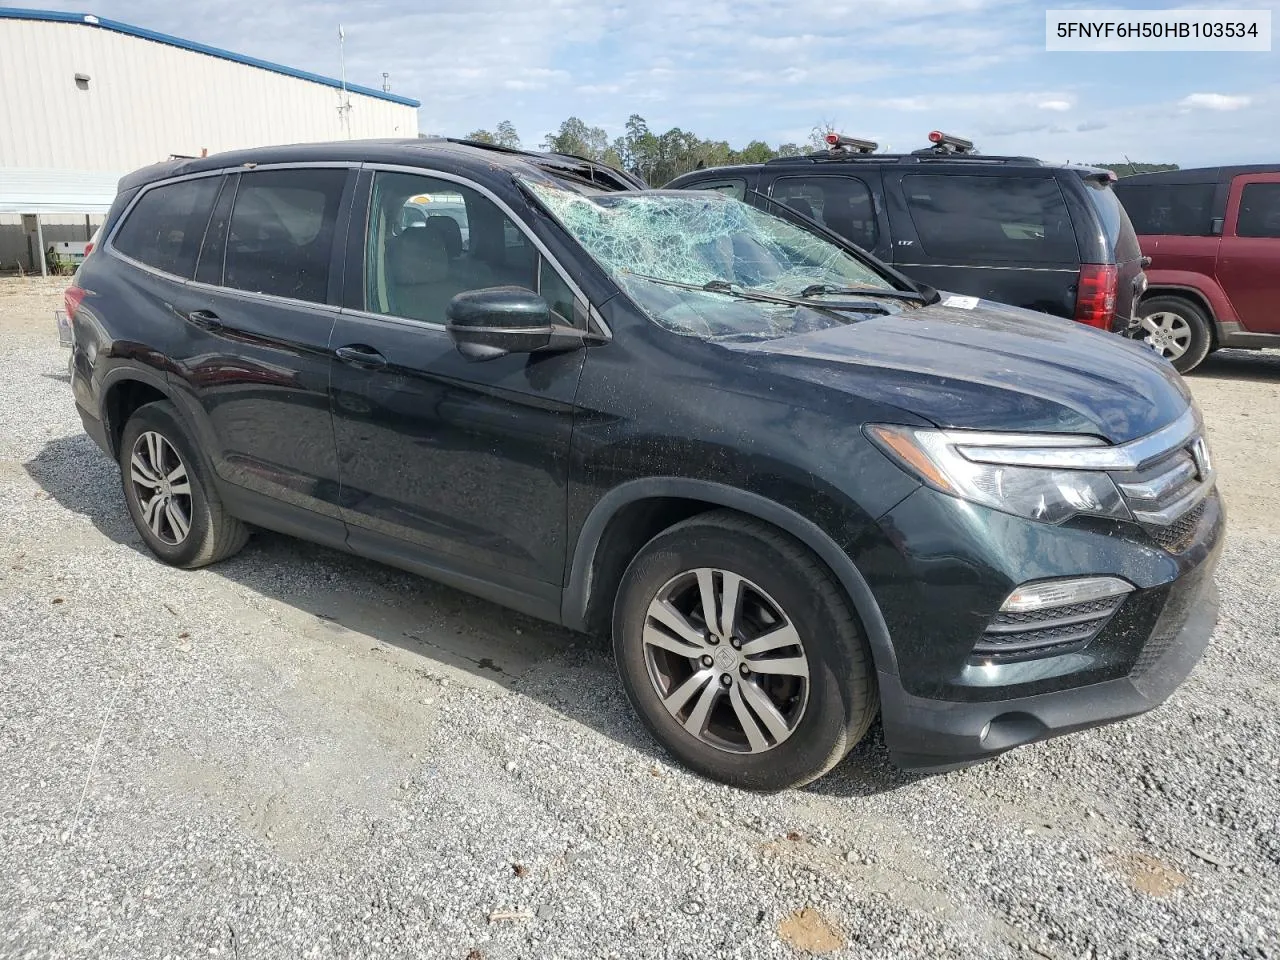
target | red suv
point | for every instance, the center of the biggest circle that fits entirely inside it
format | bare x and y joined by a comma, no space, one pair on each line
1213,236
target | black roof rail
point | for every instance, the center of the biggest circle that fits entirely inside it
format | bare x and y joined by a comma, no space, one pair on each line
922,156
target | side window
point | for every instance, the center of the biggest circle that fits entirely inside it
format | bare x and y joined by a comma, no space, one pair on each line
1168,209
415,265
555,291
1259,210
280,237
843,204
166,225
991,218
734,187
213,252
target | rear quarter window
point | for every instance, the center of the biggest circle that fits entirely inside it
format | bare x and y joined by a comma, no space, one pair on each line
982,219
1117,230
165,227
1168,209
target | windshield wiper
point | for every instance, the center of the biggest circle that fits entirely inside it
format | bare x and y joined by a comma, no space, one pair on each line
826,289
729,289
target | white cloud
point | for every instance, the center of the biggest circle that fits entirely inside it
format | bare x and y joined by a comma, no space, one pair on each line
1059,106
1214,101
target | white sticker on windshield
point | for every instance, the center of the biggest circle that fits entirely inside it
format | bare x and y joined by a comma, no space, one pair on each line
960,303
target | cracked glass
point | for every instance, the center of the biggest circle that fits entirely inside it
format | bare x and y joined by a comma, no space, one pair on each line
657,245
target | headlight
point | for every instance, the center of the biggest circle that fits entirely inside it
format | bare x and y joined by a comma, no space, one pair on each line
1047,494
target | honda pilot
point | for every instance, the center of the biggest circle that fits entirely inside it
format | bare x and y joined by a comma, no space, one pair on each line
798,489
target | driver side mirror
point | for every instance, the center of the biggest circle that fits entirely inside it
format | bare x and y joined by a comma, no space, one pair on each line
491,322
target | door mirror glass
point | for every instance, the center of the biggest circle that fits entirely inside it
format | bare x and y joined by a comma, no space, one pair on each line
494,321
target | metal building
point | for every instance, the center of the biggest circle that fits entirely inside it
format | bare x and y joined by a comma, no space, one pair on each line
86,100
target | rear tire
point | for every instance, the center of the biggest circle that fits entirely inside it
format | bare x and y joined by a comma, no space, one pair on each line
1178,328
169,492
773,696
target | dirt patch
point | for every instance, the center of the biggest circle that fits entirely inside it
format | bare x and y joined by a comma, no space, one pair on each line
809,931
1151,876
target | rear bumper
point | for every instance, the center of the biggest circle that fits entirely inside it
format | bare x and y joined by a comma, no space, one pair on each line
95,429
936,735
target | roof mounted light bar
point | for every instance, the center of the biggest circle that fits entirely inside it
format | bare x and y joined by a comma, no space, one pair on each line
839,143
946,143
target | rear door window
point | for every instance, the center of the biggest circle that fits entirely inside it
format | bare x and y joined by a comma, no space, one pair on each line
1169,209
977,219
165,227
843,204
280,238
1259,210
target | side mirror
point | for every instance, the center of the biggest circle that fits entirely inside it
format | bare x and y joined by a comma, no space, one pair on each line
491,322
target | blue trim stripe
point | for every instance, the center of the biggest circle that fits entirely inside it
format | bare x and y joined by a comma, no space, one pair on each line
58,16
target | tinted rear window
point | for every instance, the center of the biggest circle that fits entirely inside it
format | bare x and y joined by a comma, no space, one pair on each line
1168,209
166,225
280,239
1117,231
982,219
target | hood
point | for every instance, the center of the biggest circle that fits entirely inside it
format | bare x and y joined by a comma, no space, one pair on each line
987,366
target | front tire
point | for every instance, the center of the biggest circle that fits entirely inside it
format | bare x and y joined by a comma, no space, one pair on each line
1177,329
170,496
741,654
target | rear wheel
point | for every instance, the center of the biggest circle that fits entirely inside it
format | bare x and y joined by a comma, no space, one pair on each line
173,503
1177,329
741,654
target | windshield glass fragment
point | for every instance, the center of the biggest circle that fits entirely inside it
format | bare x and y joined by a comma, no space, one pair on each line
657,245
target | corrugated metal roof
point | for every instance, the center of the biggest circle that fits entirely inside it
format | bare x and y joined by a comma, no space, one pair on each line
59,16
56,191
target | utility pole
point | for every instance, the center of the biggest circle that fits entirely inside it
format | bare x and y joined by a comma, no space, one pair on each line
344,106
386,82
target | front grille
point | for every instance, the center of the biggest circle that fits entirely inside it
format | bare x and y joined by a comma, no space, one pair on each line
1042,632
1161,491
1180,534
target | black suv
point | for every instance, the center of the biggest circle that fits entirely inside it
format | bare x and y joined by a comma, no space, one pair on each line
1047,237
799,489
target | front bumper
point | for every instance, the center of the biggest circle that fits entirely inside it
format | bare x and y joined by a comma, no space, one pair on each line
936,735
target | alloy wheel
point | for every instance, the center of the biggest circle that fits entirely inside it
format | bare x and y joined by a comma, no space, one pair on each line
1167,333
726,661
161,486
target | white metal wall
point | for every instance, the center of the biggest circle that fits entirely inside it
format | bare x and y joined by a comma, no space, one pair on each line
146,100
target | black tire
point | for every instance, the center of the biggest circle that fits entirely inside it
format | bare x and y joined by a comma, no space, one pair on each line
1200,341
212,534
842,699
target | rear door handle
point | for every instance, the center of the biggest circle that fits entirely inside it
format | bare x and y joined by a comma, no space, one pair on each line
204,319
361,356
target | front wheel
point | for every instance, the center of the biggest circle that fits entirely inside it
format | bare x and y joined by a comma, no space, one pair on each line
1176,329
740,653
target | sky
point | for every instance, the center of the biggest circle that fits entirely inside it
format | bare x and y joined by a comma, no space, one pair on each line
772,70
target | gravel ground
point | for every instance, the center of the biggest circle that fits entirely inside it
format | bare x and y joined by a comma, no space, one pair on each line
299,754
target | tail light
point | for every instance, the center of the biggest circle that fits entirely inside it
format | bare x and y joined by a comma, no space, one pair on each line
833,139
1096,299
88,248
71,301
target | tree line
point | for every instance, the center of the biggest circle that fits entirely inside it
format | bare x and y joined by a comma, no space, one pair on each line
660,157
655,157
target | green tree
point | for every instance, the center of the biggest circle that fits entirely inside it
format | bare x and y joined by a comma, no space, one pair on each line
482,136
506,135
757,151
576,138
1128,168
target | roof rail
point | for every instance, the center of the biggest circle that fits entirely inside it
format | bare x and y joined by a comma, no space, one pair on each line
919,156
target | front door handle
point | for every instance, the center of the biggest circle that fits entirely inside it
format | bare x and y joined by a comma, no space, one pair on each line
359,355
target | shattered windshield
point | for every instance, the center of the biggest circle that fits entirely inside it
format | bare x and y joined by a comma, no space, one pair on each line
664,248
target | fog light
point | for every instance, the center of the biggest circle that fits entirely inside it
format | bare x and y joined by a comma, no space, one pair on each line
1060,593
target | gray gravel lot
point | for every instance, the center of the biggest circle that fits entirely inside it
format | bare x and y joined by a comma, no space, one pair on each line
300,754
